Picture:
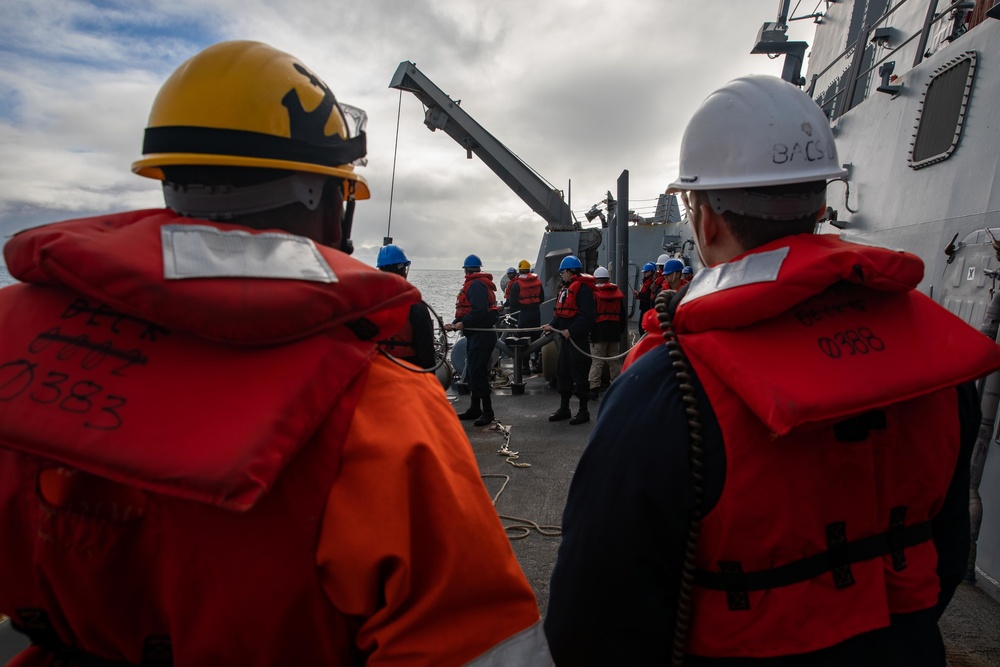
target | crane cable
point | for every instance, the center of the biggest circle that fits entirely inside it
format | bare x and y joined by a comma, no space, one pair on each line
395,149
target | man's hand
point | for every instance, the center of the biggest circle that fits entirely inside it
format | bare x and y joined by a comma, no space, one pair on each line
457,326
547,328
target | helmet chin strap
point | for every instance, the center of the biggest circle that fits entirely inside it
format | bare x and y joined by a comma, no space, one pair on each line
347,221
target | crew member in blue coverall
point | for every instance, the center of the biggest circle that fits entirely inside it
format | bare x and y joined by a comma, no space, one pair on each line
415,343
573,317
834,518
476,308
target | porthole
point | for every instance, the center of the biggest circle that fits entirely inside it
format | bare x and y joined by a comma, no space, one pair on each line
942,111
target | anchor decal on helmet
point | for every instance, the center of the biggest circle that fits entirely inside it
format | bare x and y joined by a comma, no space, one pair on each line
308,126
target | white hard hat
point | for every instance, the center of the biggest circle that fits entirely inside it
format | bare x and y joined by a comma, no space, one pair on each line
662,259
753,132
601,272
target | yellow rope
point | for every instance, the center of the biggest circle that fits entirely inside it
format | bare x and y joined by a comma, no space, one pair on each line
522,527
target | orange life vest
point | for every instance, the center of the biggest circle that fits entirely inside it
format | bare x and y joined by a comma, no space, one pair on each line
529,290
462,304
97,396
400,344
805,349
608,300
646,288
566,307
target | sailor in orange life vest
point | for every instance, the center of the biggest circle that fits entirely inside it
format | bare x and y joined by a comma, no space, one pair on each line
659,279
476,308
525,294
670,278
197,462
609,324
834,519
573,319
506,279
687,275
644,294
413,343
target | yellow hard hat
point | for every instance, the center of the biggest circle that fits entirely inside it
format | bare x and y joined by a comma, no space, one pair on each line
247,104
524,265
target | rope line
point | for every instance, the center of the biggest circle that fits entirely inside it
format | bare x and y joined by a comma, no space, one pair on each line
442,341
504,330
594,356
585,353
521,527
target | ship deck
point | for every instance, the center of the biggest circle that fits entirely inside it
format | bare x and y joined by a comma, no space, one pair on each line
537,493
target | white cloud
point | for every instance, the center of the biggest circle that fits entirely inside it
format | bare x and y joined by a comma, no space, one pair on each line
580,90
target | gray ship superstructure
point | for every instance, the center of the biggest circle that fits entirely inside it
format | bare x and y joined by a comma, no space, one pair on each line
912,90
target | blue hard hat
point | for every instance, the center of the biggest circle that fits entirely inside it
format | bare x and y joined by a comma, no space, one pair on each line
673,266
649,266
570,262
472,262
391,254
687,271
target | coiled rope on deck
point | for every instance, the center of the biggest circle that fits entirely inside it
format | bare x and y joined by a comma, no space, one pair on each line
522,527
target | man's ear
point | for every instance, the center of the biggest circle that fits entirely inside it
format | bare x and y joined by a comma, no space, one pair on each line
710,222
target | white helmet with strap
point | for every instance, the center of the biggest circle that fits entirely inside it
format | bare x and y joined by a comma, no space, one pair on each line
758,131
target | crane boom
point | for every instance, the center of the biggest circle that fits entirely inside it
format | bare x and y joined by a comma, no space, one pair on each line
444,113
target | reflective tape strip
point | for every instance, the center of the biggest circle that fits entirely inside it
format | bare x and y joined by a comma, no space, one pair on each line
200,251
528,648
757,268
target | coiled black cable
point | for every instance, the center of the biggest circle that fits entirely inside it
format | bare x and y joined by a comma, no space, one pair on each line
682,368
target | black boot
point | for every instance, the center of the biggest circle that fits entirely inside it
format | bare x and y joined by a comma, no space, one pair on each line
487,416
582,416
473,412
563,411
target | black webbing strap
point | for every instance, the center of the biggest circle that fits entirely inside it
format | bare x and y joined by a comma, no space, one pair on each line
839,553
332,151
838,559
897,540
157,650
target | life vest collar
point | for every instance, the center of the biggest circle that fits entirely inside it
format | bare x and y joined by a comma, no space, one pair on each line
799,329
119,260
485,278
806,264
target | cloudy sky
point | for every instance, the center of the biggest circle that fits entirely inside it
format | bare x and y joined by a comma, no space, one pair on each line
580,90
